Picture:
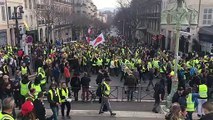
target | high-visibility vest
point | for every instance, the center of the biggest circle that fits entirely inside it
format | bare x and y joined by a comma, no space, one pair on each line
5,68
149,65
30,98
99,62
24,88
190,104
143,68
5,117
37,89
203,91
64,93
107,91
43,78
23,70
107,61
57,94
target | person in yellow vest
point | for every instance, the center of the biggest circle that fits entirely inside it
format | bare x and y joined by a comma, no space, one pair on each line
53,98
25,86
42,77
202,90
37,86
8,106
105,89
65,100
190,103
5,69
99,63
150,74
24,70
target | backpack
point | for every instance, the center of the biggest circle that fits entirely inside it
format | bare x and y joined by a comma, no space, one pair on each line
99,90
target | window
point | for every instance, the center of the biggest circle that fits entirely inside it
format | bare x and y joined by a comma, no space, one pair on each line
25,3
30,4
31,19
26,19
9,13
3,13
207,16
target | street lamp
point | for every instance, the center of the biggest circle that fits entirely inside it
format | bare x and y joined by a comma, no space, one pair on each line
17,15
180,15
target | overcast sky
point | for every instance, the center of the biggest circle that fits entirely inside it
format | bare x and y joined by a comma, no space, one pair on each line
105,3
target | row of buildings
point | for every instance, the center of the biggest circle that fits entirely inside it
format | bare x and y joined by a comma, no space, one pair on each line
44,20
193,36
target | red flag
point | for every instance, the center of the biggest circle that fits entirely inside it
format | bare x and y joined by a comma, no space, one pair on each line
99,40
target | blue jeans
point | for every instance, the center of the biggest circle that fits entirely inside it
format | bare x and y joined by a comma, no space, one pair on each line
55,110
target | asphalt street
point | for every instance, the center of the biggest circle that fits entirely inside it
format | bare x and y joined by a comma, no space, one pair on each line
111,118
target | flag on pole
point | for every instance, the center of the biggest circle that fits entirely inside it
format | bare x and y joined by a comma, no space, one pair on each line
26,26
88,39
99,40
90,31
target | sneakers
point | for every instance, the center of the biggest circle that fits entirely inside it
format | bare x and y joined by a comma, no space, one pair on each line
113,114
101,112
63,118
68,117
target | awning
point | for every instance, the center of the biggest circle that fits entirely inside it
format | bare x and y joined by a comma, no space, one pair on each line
207,30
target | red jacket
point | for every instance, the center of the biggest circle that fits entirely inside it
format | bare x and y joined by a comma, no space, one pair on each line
66,72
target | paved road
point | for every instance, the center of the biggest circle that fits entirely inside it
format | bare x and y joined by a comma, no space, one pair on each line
112,118
117,106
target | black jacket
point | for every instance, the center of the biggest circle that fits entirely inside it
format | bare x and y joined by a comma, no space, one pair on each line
130,81
54,100
176,97
39,109
85,82
75,83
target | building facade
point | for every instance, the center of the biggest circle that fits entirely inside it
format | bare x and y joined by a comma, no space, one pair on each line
150,21
189,34
85,7
7,21
53,20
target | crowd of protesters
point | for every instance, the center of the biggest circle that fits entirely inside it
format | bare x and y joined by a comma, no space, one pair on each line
62,67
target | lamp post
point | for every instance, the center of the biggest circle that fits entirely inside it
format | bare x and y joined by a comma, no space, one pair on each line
181,15
16,17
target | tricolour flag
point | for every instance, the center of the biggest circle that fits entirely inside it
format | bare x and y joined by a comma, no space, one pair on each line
99,40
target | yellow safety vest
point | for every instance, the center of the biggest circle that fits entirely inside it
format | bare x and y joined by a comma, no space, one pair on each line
24,88
37,89
5,68
203,91
65,93
99,62
190,104
107,91
5,117
23,70
43,78
57,93
149,65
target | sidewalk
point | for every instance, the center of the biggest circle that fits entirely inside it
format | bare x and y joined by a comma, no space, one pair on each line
119,114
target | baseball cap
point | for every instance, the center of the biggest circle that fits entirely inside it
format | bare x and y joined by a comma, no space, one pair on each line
26,108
